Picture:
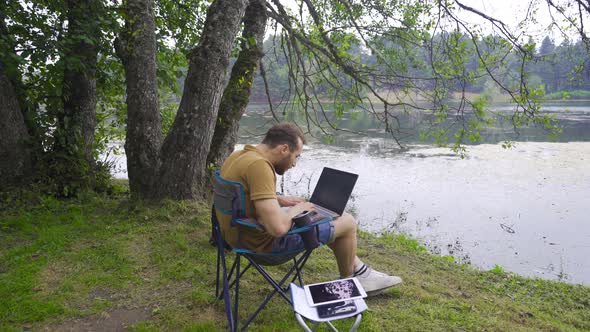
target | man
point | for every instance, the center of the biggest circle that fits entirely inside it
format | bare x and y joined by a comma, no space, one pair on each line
255,168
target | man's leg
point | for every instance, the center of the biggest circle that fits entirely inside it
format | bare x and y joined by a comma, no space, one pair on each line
344,248
344,244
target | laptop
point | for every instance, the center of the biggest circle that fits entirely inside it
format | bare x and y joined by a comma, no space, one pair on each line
331,193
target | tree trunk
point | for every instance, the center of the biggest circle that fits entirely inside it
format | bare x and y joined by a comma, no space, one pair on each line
74,144
183,173
237,93
80,74
137,50
15,155
11,61
15,152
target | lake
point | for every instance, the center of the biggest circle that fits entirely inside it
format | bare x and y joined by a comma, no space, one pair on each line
522,208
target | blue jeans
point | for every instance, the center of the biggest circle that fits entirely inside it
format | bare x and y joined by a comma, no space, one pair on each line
293,242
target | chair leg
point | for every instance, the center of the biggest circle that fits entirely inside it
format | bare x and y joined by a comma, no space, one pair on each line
300,266
225,293
241,274
294,272
232,270
278,286
217,274
298,273
237,290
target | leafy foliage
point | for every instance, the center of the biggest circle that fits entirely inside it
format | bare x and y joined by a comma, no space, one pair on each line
35,51
410,57
325,58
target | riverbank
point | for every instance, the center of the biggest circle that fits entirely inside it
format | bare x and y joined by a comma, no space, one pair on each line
105,263
492,95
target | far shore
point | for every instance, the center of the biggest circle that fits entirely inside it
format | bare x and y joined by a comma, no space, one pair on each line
456,98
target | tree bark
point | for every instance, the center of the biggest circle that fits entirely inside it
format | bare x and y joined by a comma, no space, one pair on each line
183,173
11,60
15,154
15,149
74,144
137,49
237,93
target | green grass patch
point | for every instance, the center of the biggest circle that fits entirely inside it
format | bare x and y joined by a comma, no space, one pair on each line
567,95
107,261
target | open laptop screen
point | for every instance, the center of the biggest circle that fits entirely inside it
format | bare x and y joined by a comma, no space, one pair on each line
333,189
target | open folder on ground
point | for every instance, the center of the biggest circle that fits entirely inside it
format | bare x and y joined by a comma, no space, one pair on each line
301,306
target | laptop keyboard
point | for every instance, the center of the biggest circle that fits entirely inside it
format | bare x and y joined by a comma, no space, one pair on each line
321,214
316,217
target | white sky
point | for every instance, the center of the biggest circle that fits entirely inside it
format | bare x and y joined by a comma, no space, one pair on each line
514,12
511,12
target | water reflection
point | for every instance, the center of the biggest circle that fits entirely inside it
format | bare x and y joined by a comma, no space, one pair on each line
573,116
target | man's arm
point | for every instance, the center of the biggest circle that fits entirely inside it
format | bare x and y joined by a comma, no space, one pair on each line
275,220
289,200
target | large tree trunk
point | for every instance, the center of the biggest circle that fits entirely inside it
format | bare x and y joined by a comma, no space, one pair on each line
74,144
15,155
183,173
237,93
11,61
137,50
15,151
80,74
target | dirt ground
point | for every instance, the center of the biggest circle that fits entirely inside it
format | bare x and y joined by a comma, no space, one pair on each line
117,320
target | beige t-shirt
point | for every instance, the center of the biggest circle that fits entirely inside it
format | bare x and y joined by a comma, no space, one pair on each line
257,175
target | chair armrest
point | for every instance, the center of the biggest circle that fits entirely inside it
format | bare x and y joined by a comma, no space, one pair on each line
249,222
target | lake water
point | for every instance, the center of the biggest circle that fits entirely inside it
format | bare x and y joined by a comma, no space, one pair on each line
524,208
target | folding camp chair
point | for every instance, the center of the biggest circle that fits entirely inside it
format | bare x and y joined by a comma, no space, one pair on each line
229,199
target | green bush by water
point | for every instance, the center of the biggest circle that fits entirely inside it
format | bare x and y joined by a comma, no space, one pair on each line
566,95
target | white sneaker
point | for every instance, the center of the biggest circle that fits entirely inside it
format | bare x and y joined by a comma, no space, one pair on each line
374,281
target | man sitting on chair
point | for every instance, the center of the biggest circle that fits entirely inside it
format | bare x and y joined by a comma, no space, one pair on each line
255,168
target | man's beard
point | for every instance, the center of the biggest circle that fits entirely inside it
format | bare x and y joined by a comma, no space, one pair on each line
283,165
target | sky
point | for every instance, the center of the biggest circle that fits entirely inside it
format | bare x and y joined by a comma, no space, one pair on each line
511,12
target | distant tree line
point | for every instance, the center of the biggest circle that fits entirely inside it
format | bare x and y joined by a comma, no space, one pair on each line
561,68
553,69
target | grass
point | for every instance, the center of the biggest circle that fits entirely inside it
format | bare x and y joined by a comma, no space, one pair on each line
95,261
566,95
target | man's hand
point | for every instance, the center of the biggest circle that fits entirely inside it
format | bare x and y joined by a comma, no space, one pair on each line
297,209
289,200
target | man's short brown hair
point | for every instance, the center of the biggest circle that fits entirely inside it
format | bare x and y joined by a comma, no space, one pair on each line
284,133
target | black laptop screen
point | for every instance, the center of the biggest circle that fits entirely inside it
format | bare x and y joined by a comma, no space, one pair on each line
333,189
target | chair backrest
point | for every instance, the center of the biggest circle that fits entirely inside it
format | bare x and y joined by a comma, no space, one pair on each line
229,197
